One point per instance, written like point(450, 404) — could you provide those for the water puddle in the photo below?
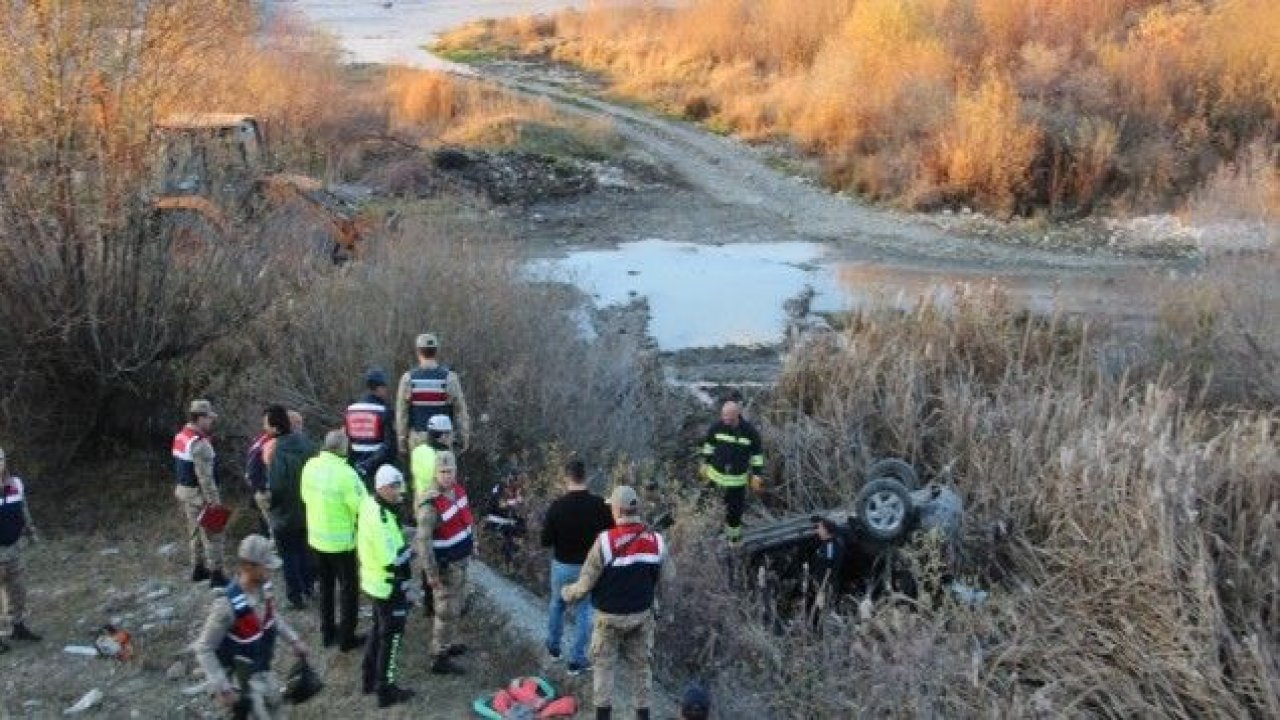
point(704, 295)
point(381, 31)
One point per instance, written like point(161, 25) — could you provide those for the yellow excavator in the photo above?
point(212, 169)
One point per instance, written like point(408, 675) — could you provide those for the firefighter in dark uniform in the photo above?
point(425, 391)
point(732, 457)
point(826, 563)
point(243, 625)
point(370, 426)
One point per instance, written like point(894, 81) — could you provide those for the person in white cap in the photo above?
point(243, 626)
point(425, 391)
point(384, 569)
point(445, 542)
point(422, 461)
point(622, 572)
point(197, 486)
point(15, 524)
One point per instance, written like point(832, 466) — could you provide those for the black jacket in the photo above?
point(284, 479)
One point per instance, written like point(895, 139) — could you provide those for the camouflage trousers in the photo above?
point(13, 589)
point(448, 606)
point(191, 500)
point(625, 640)
point(266, 699)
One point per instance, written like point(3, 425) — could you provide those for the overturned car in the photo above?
point(853, 551)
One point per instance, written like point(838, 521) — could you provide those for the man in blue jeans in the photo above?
point(573, 522)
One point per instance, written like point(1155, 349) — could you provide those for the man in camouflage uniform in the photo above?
point(197, 487)
point(444, 543)
point(15, 524)
point(622, 572)
point(430, 389)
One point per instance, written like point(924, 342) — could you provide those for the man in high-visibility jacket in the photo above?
point(332, 491)
point(445, 541)
point(384, 569)
point(732, 456)
point(422, 460)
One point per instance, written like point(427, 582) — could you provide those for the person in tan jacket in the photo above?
point(197, 486)
point(427, 390)
point(622, 572)
point(444, 543)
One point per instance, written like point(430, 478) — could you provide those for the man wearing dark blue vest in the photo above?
point(370, 427)
point(197, 487)
point(445, 541)
point(15, 524)
point(622, 572)
point(427, 390)
point(242, 626)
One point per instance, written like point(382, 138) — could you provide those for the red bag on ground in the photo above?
point(213, 517)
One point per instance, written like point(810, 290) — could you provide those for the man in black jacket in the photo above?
point(288, 515)
point(573, 522)
point(732, 455)
point(371, 429)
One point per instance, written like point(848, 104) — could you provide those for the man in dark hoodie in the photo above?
point(288, 515)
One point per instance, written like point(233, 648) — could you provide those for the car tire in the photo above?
point(884, 509)
point(896, 468)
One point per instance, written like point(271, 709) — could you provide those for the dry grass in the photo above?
point(1126, 527)
point(1015, 105)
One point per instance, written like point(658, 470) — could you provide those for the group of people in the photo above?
point(335, 518)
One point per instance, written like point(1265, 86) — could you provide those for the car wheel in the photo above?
point(884, 508)
point(896, 468)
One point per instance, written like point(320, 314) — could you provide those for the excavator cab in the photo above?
point(213, 168)
point(208, 154)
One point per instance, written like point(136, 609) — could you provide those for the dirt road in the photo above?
point(724, 174)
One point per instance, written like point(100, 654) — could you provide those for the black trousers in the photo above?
point(735, 500)
point(337, 571)
point(296, 556)
point(382, 651)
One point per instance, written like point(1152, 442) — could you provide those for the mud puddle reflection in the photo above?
point(703, 295)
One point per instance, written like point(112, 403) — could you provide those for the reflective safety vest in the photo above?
point(428, 395)
point(451, 539)
point(183, 463)
point(331, 491)
point(13, 517)
point(380, 547)
point(253, 634)
point(633, 557)
point(422, 465)
point(366, 426)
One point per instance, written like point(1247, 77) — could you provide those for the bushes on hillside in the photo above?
point(1011, 104)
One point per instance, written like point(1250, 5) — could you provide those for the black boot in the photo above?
point(642, 713)
point(604, 713)
point(457, 649)
point(22, 632)
point(199, 573)
point(354, 642)
point(217, 579)
point(393, 695)
point(444, 665)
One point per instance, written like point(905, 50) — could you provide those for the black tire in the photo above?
point(884, 509)
point(896, 468)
